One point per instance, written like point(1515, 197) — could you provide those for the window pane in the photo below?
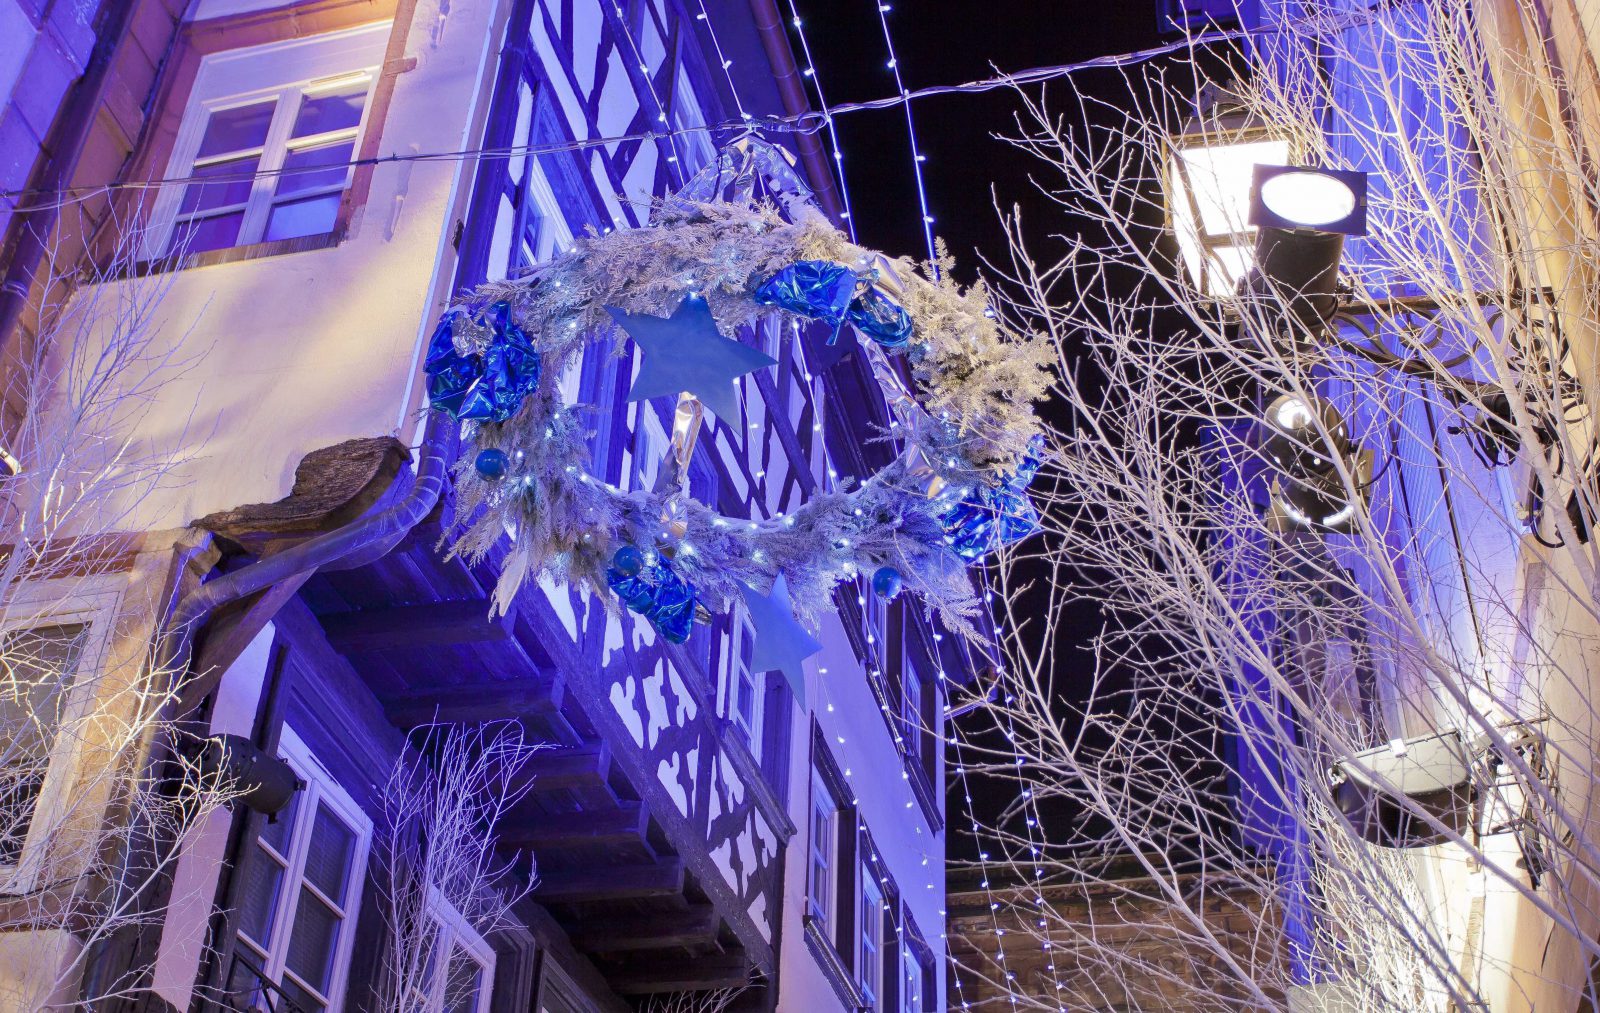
point(258, 903)
point(237, 129)
point(215, 233)
point(234, 180)
point(328, 855)
point(339, 109)
point(303, 168)
point(316, 930)
point(463, 984)
point(314, 216)
point(37, 666)
point(276, 832)
point(302, 999)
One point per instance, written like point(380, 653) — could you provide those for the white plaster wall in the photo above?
point(194, 885)
point(286, 354)
point(838, 695)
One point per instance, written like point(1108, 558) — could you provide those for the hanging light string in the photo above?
point(810, 73)
point(811, 121)
point(917, 157)
point(723, 60)
point(676, 171)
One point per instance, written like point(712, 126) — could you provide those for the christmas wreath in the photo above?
point(739, 244)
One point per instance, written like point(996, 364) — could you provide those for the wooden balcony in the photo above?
point(622, 868)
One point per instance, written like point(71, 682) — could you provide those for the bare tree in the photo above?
point(1404, 550)
point(98, 786)
point(439, 857)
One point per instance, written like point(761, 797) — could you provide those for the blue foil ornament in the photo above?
point(887, 582)
point(995, 516)
point(812, 288)
point(658, 594)
point(492, 463)
point(488, 387)
point(881, 318)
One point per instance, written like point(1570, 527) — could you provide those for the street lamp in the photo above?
point(1210, 176)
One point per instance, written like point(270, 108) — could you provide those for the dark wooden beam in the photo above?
point(623, 824)
point(407, 626)
point(468, 702)
point(663, 878)
point(679, 974)
point(656, 930)
point(572, 767)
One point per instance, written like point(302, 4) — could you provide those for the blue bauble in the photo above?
point(628, 561)
point(492, 463)
point(887, 582)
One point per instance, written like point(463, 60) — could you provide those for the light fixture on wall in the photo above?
point(1408, 794)
point(1210, 175)
point(259, 781)
point(1306, 442)
point(1302, 216)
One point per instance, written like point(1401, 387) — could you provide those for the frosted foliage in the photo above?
point(99, 782)
point(1238, 656)
point(438, 855)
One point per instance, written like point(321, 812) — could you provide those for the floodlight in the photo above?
point(1302, 197)
point(1431, 772)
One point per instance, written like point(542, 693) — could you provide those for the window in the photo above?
point(266, 142)
point(917, 989)
point(742, 702)
point(529, 226)
point(869, 938)
point(301, 893)
point(468, 981)
point(820, 888)
point(48, 661)
point(911, 705)
point(39, 666)
point(910, 982)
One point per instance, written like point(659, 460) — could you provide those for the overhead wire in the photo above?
point(810, 121)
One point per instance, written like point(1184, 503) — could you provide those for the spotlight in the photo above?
point(1304, 439)
point(1431, 772)
point(1294, 442)
point(1296, 197)
point(264, 783)
point(1293, 286)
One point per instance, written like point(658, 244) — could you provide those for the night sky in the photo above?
point(967, 168)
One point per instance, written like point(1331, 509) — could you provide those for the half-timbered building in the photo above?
point(694, 825)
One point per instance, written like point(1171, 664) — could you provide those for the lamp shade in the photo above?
point(1307, 197)
point(1293, 286)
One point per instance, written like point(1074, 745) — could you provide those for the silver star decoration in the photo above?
point(684, 352)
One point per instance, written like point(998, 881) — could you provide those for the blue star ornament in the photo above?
point(781, 642)
point(684, 352)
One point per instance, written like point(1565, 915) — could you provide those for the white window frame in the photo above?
point(822, 898)
point(737, 670)
point(321, 789)
point(455, 931)
point(912, 982)
point(869, 930)
point(279, 70)
point(94, 602)
point(688, 113)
